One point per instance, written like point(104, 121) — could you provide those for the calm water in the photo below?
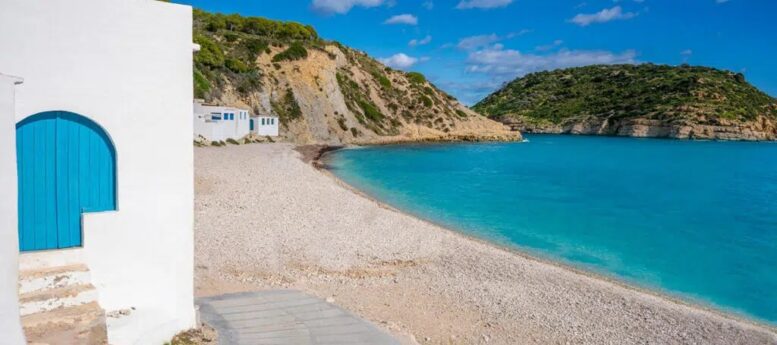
point(694, 219)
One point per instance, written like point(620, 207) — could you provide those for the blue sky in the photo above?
point(470, 47)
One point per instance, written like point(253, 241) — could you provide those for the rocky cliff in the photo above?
point(647, 100)
point(763, 128)
point(325, 92)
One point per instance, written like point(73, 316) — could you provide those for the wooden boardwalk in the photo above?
point(281, 317)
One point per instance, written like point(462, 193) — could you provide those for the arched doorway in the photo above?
point(66, 167)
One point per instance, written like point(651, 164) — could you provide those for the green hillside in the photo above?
point(697, 94)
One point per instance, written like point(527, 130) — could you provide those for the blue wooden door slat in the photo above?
point(36, 160)
point(68, 236)
point(50, 182)
point(66, 166)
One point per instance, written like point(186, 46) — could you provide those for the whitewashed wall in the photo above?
point(127, 65)
point(266, 129)
point(10, 327)
point(220, 130)
point(242, 124)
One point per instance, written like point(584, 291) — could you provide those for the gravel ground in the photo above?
point(266, 219)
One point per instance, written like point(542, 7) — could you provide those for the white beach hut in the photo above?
point(264, 125)
point(96, 218)
point(217, 123)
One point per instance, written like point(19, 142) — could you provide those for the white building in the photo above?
point(216, 123)
point(264, 125)
point(102, 130)
point(10, 326)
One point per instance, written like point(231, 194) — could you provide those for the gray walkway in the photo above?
point(285, 317)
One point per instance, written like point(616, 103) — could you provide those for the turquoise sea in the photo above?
point(697, 220)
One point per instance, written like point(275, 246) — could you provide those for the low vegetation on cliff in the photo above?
point(323, 91)
point(618, 95)
point(230, 45)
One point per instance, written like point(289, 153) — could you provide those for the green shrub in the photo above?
point(370, 111)
point(201, 84)
point(210, 53)
point(382, 80)
point(416, 78)
point(427, 102)
point(294, 110)
point(231, 37)
point(254, 46)
point(739, 78)
point(296, 31)
point(236, 65)
point(341, 123)
point(210, 22)
point(346, 83)
point(294, 52)
point(287, 108)
point(248, 82)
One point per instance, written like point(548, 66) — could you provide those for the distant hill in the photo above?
point(644, 100)
point(323, 91)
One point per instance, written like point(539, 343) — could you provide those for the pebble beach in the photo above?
point(266, 218)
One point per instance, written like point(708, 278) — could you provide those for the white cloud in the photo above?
point(686, 54)
point(551, 46)
point(480, 41)
point(342, 6)
point(475, 42)
point(603, 16)
point(507, 64)
point(401, 61)
point(407, 19)
point(428, 4)
point(485, 4)
point(424, 41)
point(518, 33)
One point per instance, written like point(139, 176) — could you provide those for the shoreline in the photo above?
point(302, 228)
point(320, 165)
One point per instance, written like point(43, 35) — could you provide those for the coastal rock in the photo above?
point(763, 129)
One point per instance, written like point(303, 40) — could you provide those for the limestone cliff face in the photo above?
point(761, 129)
point(337, 95)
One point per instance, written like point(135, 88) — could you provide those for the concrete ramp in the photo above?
point(286, 317)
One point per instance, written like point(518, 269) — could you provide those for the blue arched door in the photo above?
point(66, 166)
